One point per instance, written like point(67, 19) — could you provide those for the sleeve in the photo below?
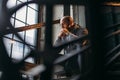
point(58, 41)
point(85, 32)
point(81, 32)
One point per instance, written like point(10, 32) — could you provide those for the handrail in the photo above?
point(112, 51)
point(112, 34)
point(110, 27)
point(112, 59)
point(71, 54)
point(113, 3)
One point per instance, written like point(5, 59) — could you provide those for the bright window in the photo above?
point(25, 16)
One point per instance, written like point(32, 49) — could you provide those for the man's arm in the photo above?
point(85, 32)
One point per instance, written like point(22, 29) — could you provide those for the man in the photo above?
point(70, 31)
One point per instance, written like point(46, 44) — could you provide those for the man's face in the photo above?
point(64, 25)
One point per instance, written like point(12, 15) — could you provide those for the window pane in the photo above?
point(9, 35)
point(21, 35)
point(27, 50)
point(21, 14)
point(27, 14)
point(17, 52)
point(58, 11)
point(34, 6)
point(80, 17)
point(31, 16)
point(8, 43)
point(30, 36)
point(23, 0)
point(19, 24)
point(31, 60)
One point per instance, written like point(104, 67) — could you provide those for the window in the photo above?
point(25, 16)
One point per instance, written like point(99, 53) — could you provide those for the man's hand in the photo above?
point(85, 31)
point(63, 32)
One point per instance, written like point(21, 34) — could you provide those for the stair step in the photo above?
point(113, 73)
point(115, 66)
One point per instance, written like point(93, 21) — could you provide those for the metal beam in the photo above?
point(34, 26)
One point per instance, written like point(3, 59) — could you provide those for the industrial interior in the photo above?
point(29, 29)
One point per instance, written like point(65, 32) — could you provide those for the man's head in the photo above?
point(66, 21)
